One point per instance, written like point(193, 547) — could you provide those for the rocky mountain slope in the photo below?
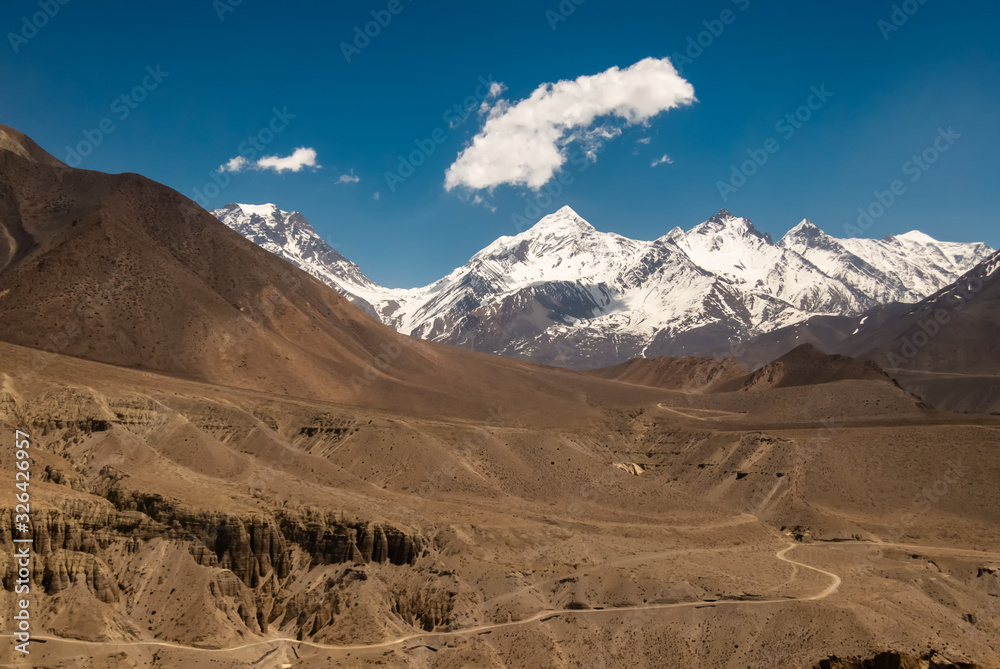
point(565, 293)
point(290, 236)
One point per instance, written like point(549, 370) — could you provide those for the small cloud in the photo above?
point(234, 164)
point(644, 140)
point(496, 90)
point(376, 195)
point(351, 178)
point(664, 160)
point(302, 157)
point(479, 200)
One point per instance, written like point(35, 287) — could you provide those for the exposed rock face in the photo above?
point(64, 568)
point(249, 546)
point(253, 559)
point(252, 548)
point(328, 541)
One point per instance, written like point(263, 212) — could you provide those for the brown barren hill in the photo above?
point(687, 374)
point(806, 365)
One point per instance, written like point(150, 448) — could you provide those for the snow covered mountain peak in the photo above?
point(563, 240)
point(564, 221)
point(805, 226)
point(676, 233)
point(728, 225)
point(562, 246)
point(917, 237)
point(805, 234)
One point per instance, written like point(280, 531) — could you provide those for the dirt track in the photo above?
point(551, 613)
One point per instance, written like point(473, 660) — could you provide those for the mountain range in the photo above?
point(564, 293)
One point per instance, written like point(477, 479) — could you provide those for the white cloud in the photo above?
point(660, 161)
point(376, 196)
point(300, 158)
point(644, 140)
point(234, 164)
point(526, 143)
point(351, 178)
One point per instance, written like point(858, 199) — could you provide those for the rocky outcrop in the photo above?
point(329, 541)
point(252, 547)
point(73, 544)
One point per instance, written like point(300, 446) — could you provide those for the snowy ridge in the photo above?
point(900, 268)
point(563, 292)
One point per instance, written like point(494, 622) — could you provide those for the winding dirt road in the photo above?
point(547, 614)
point(835, 582)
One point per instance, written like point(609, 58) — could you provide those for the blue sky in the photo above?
point(211, 82)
